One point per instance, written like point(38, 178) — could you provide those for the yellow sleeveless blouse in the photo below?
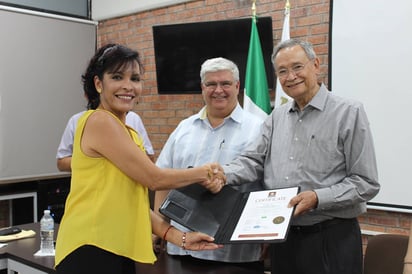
point(105, 208)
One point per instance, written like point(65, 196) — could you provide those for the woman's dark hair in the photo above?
point(109, 58)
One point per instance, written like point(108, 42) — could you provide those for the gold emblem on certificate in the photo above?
point(278, 220)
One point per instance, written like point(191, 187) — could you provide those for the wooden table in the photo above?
point(19, 256)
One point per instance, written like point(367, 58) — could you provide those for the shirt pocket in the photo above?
point(321, 157)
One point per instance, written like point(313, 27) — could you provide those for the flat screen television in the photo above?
point(180, 49)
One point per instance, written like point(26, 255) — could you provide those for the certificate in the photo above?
point(231, 216)
point(266, 216)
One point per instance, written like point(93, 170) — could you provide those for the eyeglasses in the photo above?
point(211, 86)
point(283, 73)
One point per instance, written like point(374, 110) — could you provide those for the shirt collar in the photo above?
point(318, 101)
point(236, 114)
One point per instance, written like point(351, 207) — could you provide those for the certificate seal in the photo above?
point(278, 220)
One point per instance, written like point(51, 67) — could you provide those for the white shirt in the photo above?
point(133, 120)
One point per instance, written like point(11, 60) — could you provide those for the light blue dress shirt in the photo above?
point(193, 143)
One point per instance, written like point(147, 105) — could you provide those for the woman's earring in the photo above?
point(99, 90)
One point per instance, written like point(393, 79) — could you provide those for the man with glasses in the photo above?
point(323, 144)
point(219, 132)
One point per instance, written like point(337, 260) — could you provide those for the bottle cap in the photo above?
point(46, 211)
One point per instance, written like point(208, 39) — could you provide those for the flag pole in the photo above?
point(254, 10)
point(287, 7)
point(281, 97)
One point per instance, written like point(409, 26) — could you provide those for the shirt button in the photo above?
point(291, 158)
point(286, 178)
point(296, 139)
point(300, 120)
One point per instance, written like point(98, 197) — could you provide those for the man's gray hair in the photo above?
point(218, 64)
point(306, 46)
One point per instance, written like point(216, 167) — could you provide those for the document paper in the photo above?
point(266, 215)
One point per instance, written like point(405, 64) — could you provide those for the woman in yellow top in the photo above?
point(107, 224)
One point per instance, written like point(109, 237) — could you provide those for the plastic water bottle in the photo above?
point(47, 233)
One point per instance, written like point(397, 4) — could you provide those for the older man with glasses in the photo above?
point(323, 144)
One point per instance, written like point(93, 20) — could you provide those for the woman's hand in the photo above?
point(197, 241)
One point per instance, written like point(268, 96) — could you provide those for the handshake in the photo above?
point(215, 179)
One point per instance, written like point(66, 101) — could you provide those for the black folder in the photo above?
point(218, 214)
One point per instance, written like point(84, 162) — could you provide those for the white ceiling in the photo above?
point(106, 9)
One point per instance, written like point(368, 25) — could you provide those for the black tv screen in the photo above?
point(180, 49)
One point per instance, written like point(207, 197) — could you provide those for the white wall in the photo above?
point(371, 62)
point(105, 9)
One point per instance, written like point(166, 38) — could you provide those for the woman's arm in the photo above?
point(187, 240)
point(104, 136)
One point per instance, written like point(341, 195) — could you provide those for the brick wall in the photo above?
point(161, 113)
